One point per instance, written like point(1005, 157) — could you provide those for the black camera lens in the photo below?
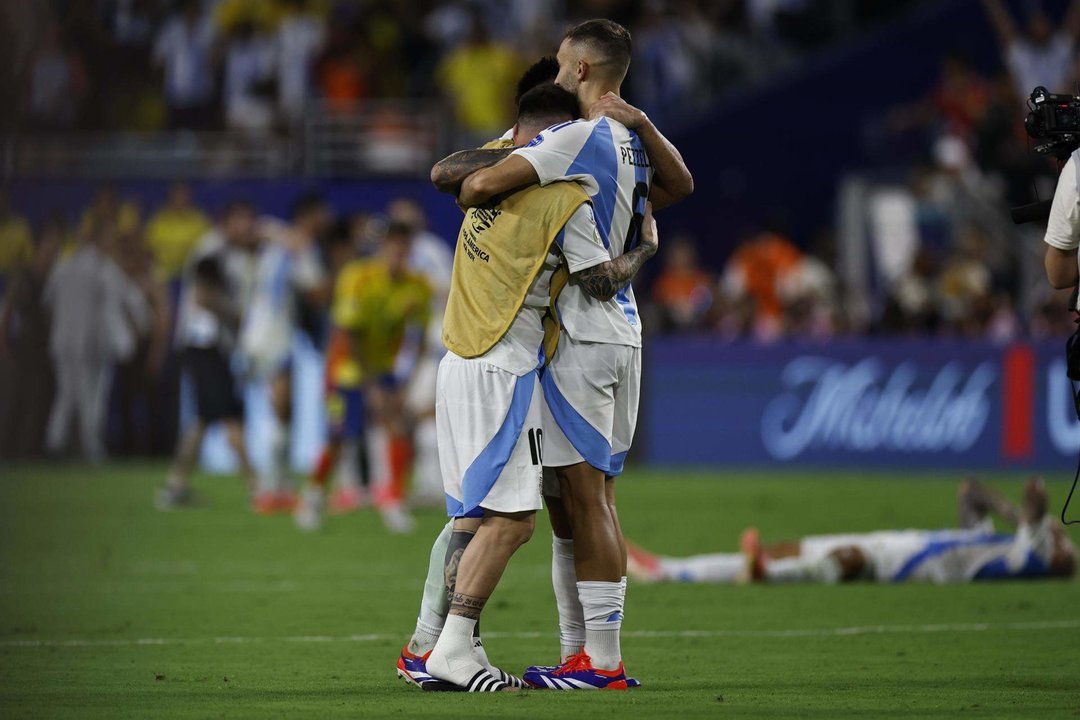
point(1034, 124)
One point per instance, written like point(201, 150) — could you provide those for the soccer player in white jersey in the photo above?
point(1039, 548)
point(289, 272)
point(591, 389)
point(489, 432)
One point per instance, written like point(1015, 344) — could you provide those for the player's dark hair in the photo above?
point(307, 203)
point(609, 39)
point(544, 70)
point(398, 230)
point(238, 205)
point(546, 105)
point(208, 273)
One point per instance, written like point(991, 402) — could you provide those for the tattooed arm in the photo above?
point(604, 280)
point(451, 171)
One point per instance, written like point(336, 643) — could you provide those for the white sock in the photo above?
point(277, 471)
point(797, 569)
point(452, 659)
point(602, 603)
point(716, 568)
point(378, 447)
point(434, 604)
point(564, 582)
point(623, 583)
point(348, 470)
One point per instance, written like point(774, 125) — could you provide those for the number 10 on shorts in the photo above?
point(536, 445)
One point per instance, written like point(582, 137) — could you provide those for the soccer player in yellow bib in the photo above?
point(380, 312)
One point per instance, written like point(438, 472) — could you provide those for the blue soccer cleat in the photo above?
point(630, 682)
point(578, 673)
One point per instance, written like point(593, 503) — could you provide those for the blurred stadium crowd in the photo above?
point(257, 66)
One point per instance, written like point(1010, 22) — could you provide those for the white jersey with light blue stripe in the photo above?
point(945, 556)
point(610, 163)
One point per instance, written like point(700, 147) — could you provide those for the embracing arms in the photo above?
point(448, 174)
point(672, 180)
point(604, 280)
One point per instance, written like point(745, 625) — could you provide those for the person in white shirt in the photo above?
point(218, 284)
point(184, 48)
point(249, 65)
point(1039, 55)
point(616, 166)
point(1038, 549)
point(1063, 228)
point(97, 312)
point(289, 272)
point(299, 39)
point(491, 444)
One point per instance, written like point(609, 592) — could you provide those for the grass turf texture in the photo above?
point(218, 613)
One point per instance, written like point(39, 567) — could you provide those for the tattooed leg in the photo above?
point(479, 569)
point(467, 606)
point(459, 540)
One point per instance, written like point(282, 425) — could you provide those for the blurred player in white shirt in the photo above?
point(289, 272)
point(1038, 549)
point(218, 283)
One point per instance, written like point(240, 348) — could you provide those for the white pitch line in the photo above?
point(645, 634)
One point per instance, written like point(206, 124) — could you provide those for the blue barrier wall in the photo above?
point(858, 403)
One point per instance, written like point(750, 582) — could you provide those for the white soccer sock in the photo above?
point(348, 469)
point(378, 447)
point(797, 569)
point(452, 659)
point(564, 582)
point(715, 568)
point(277, 467)
point(427, 477)
point(602, 603)
point(434, 604)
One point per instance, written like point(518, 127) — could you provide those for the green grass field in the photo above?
point(111, 609)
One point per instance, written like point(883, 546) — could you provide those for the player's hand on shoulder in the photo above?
point(649, 237)
point(614, 107)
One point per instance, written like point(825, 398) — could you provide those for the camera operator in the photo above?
point(1063, 229)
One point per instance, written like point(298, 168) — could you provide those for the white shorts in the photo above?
point(591, 397)
point(488, 426)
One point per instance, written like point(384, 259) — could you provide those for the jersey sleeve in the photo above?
point(580, 241)
point(1063, 227)
point(552, 153)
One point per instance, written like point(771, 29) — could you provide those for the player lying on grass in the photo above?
point(1039, 548)
point(591, 411)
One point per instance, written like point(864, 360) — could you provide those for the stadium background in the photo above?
point(844, 275)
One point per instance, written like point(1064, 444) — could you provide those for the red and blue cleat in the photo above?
point(412, 668)
point(578, 673)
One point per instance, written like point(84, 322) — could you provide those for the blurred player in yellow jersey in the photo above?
point(380, 312)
